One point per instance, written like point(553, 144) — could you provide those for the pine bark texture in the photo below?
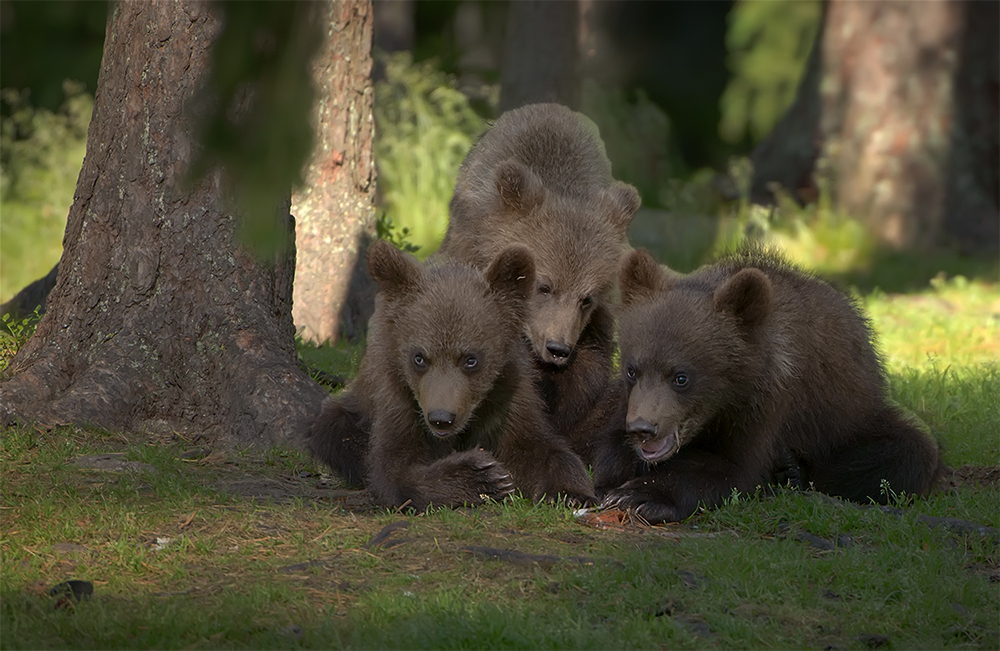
point(159, 319)
point(900, 102)
point(541, 54)
point(335, 210)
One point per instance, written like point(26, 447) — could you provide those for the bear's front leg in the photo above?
point(564, 476)
point(468, 477)
point(671, 491)
point(403, 469)
point(461, 478)
point(542, 463)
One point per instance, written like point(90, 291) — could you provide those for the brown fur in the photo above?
point(443, 410)
point(741, 370)
point(540, 178)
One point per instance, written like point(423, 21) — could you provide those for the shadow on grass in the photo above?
point(906, 271)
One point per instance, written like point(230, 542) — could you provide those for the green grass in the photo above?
point(234, 572)
point(181, 559)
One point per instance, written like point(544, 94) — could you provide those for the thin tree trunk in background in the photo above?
point(159, 320)
point(904, 116)
point(335, 209)
point(395, 25)
point(972, 200)
point(541, 54)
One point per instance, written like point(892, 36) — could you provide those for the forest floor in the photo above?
point(188, 547)
point(171, 543)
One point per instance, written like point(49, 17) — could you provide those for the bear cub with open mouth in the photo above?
point(738, 370)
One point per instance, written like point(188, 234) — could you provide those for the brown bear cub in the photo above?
point(443, 410)
point(540, 178)
point(738, 370)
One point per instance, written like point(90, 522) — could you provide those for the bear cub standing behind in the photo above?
point(443, 410)
point(540, 178)
point(739, 369)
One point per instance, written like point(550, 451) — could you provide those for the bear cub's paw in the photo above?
point(636, 496)
point(473, 475)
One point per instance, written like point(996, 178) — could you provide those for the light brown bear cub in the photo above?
point(740, 369)
point(443, 410)
point(540, 178)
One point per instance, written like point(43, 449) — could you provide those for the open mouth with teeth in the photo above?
point(659, 448)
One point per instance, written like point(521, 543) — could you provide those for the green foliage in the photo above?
point(40, 157)
point(398, 237)
point(341, 359)
point(256, 110)
point(14, 334)
point(815, 236)
point(424, 128)
point(638, 136)
point(768, 43)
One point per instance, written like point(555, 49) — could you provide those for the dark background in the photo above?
point(674, 51)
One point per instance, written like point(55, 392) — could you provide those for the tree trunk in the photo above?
point(158, 316)
point(904, 115)
point(395, 25)
point(541, 54)
point(335, 209)
point(972, 199)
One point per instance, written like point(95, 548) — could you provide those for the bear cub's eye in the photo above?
point(586, 302)
point(681, 381)
point(470, 362)
point(544, 290)
point(418, 361)
point(630, 373)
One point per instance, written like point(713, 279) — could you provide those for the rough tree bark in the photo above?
point(900, 100)
point(159, 318)
point(541, 54)
point(335, 209)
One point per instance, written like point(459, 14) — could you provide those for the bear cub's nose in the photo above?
point(441, 419)
point(642, 428)
point(558, 350)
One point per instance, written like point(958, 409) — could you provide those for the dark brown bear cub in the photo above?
point(443, 410)
point(540, 178)
point(735, 370)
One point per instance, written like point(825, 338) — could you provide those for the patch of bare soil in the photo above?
point(287, 487)
point(972, 476)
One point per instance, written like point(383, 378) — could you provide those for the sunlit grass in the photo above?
point(951, 322)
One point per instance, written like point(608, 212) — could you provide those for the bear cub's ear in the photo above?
point(520, 189)
point(747, 295)
point(620, 202)
point(641, 277)
point(393, 270)
point(512, 273)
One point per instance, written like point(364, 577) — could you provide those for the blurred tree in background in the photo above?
point(898, 112)
point(676, 88)
point(541, 54)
